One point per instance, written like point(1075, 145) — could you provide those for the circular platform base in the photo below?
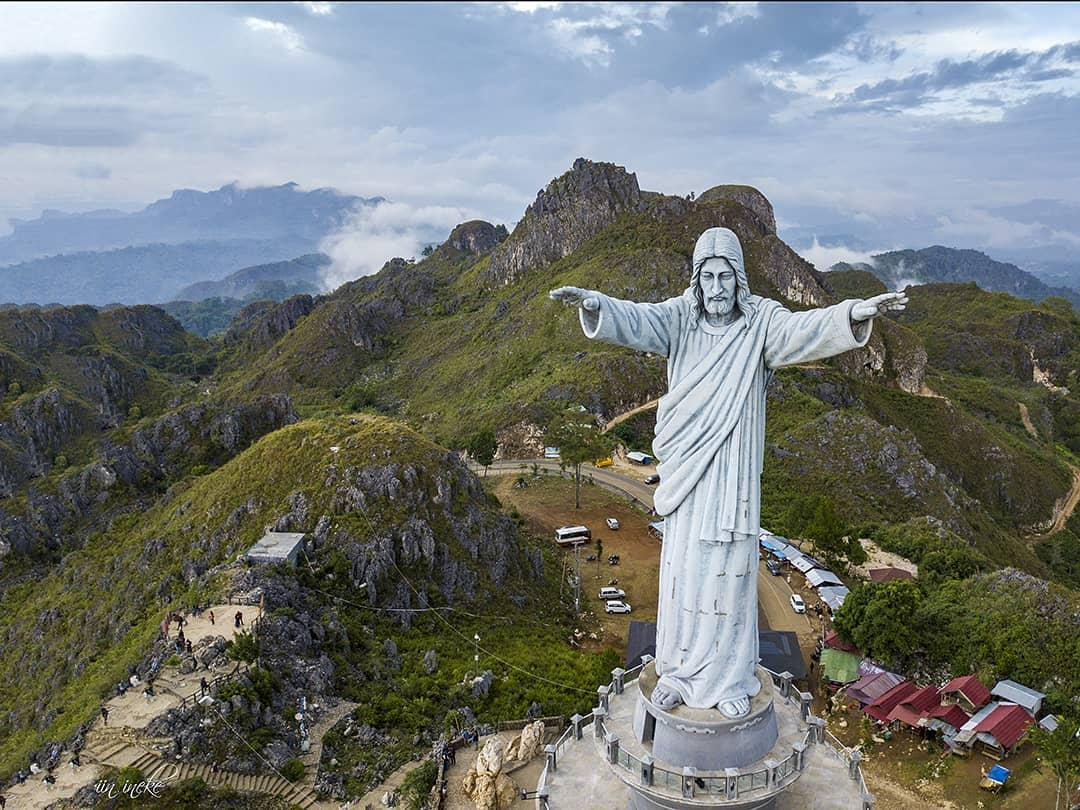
point(704, 738)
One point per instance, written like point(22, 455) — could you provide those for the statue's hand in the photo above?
point(577, 297)
point(879, 305)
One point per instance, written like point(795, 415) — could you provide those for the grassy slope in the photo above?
point(73, 634)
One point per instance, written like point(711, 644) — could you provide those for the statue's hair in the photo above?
point(724, 244)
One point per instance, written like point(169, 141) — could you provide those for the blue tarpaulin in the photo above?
point(999, 773)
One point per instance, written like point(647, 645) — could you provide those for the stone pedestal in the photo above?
point(616, 765)
point(704, 738)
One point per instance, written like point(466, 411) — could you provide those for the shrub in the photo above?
point(417, 785)
point(293, 770)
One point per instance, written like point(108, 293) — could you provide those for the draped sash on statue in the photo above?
point(696, 416)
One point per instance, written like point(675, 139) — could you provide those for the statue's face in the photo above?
point(717, 282)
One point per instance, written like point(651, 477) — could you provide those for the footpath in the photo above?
point(122, 741)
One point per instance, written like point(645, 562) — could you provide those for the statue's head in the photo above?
point(718, 280)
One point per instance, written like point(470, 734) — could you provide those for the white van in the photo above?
point(572, 535)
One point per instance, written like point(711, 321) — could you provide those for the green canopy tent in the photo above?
point(839, 667)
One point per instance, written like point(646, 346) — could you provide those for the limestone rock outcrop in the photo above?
point(485, 783)
point(527, 744)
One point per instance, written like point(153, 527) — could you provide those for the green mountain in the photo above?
point(937, 264)
point(950, 438)
point(208, 307)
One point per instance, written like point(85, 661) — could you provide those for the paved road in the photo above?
point(773, 592)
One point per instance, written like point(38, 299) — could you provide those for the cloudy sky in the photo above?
point(868, 126)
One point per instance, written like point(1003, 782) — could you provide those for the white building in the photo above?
point(277, 547)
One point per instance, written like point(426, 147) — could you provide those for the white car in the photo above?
point(612, 593)
point(797, 604)
point(617, 607)
point(613, 524)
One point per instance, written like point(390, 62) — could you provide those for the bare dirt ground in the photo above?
point(548, 502)
point(1064, 508)
point(879, 558)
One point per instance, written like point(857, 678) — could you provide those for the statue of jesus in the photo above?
point(722, 345)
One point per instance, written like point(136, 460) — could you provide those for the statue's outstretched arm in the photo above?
point(645, 327)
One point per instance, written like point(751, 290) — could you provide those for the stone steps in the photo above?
point(115, 752)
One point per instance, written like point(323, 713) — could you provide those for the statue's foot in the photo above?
point(735, 708)
point(665, 697)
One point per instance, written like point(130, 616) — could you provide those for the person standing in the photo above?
point(211, 618)
point(104, 715)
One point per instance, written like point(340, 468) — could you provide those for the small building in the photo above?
point(945, 720)
point(779, 652)
point(833, 596)
point(819, 576)
point(839, 667)
point(804, 562)
point(277, 547)
point(871, 687)
point(914, 708)
point(834, 642)
point(1013, 692)
point(1049, 723)
point(888, 574)
point(551, 452)
point(967, 692)
point(638, 457)
point(879, 710)
point(998, 730)
point(656, 529)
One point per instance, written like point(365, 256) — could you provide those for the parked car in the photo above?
point(652, 479)
point(797, 604)
point(774, 567)
point(612, 593)
point(617, 607)
point(613, 524)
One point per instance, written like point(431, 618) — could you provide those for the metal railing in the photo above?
point(192, 699)
point(771, 779)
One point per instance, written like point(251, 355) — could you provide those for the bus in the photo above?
point(572, 535)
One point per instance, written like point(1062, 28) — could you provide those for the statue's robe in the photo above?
point(710, 440)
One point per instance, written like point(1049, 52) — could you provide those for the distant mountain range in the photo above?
point(207, 307)
point(103, 257)
point(935, 265)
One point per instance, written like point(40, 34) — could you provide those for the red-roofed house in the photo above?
point(888, 574)
point(914, 707)
point(880, 708)
point(833, 641)
point(1001, 732)
point(870, 687)
point(967, 692)
point(947, 719)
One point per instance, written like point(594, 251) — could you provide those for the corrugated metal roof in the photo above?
point(951, 714)
point(1007, 724)
point(839, 666)
point(833, 596)
point(881, 707)
point(833, 641)
point(870, 687)
point(819, 576)
point(970, 687)
point(888, 574)
point(1019, 694)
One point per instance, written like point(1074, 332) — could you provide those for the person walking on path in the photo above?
point(204, 687)
point(104, 715)
point(187, 646)
point(239, 618)
point(211, 617)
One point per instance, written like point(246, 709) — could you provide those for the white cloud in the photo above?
point(317, 9)
point(285, 36)
point(733, 12)
point(375, 234)
point(823, 257)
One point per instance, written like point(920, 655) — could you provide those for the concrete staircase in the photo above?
point(117, 751)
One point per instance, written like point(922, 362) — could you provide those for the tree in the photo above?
point(578, 442)
point(832, 540)
point(1060, 749)
point(243, 647)
point(882, 619)
point(482, 446)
